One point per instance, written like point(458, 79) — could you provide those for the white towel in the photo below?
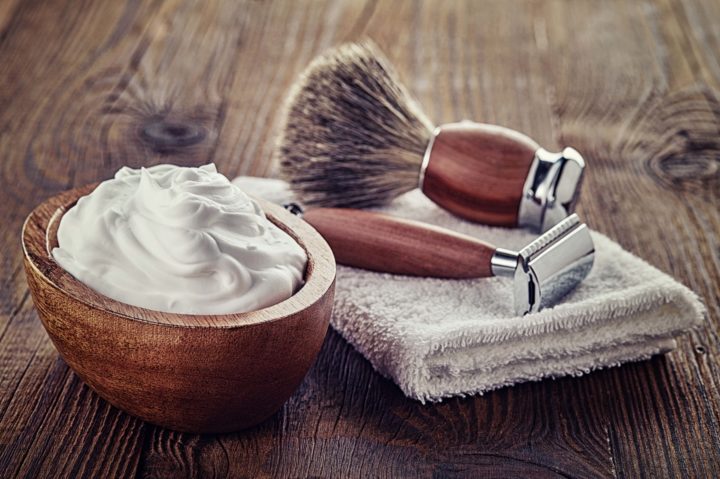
point(439, 338)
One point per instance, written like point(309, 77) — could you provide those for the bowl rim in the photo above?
point(39, 235)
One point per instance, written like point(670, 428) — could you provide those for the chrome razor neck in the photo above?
point(504, 262)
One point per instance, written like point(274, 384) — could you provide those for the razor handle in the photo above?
point(543, 272)
point(387, 244)
point(494, 175)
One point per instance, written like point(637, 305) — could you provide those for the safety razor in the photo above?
point(548, 268)
point(543, 272)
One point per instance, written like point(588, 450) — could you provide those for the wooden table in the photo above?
point(633, 85)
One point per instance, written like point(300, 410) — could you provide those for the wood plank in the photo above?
point(634, 86)
point(45, 411)
point(649, 126)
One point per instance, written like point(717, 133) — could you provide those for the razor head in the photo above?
point(551, 189)
point(553, 265)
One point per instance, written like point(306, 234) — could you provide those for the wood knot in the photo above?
point(687, 159)
point(687, 167)
point(678, 138)
point(166, 136)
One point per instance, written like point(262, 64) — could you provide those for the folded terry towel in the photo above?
point(438, 338)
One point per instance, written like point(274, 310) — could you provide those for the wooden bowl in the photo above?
point(194, 373)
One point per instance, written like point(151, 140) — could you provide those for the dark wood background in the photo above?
point(86, 87)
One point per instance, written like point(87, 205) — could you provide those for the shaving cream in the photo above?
point(180, 240)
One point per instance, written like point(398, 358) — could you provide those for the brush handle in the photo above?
point(478, 171)
point(384, 243)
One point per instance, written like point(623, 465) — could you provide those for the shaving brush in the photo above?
point(354, 137)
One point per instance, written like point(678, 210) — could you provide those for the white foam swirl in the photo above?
point(182, 240)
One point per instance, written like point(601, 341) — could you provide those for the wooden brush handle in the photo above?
point(477, 171)
point(388, 244)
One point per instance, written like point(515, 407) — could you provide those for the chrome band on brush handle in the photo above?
point(551, 189)
point(426, 157)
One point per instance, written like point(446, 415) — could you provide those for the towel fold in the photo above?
point(439, 338)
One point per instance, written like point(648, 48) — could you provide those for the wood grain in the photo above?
point(478, 171)
point(632, 85)
point(388, 244)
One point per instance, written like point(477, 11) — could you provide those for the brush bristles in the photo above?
point(352, 135)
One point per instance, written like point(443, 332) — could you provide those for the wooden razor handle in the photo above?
point(384, 243)
point(478, 171)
